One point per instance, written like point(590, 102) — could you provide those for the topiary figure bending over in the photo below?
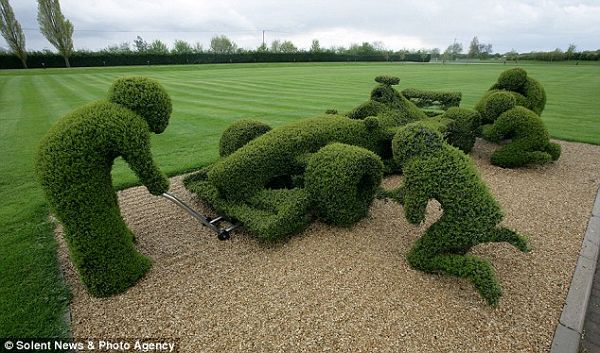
point(74, 165)
point(526, 91)
point(435, 170)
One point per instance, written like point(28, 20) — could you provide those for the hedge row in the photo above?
point(74, 165)
point(435, 170)
point(85, 59)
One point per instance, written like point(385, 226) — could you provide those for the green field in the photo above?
point(207, 98)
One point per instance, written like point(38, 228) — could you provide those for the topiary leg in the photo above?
point(478, 271)
point(513, 155)
point(502, 234)
point(553, 149)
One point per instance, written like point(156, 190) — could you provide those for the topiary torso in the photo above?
point(74, 165)
point(279, 152)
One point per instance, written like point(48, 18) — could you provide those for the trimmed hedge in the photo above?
point(145, 97)
point(427, 99)
point(269, 214)
point(341, 181)
point(388, 105)
point(530, 141)
point(527, 92)
point(434, 169)
point(88, 59)
point(282, 152)
point(73, 165)
point(262, 183)
point(239, 134)
point(394, 110)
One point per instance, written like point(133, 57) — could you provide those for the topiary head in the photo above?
point(144, 96)
point(387, 80)
point(513, 79)
point(496, 104)
point(384, 94)
point(415, 140)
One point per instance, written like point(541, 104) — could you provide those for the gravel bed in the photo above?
point(340, 289)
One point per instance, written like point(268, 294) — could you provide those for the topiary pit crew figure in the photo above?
point(435, 170)
point(74, 165)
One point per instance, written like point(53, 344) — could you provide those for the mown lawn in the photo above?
point(33, 298)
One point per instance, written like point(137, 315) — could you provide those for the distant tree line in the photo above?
point(59, 32)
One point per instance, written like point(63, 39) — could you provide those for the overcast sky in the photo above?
point(523, 25)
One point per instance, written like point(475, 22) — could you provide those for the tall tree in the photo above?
point(158, 47)
point(141, 46)
point(222, 45)
point(474, 48)
point(453, 50)
point(182, 47)
point(287, 47)
point(12, 32)
point(315, 47)
point(57, 30)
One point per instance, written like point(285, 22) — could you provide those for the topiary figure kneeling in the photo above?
point(434, 169)
point(74, 163)
point(530, 141)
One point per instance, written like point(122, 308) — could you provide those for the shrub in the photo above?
point(73, 165)
point(530, 142)
point(496, 103)
point(434, 169)
point(144, 96)
point(240, 133)
point(269, 214)
point(527, 92)
point(283, 151)
point(426, 99)
point(331, 111)
point(341, 181)
point(387, 80)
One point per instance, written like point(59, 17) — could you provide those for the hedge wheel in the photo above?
point(341, 181)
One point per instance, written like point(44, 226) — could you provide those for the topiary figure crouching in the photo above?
point(74, 165)
point(530, 141)
point(435, 170)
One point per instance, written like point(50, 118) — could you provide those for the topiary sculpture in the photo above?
point(74, 163)
point(434, 169)
point(527, 91)
point(240, 133)
point(530, 141)
point(394, 110)
point(262, 183)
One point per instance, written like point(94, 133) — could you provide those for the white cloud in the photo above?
point(520, 24)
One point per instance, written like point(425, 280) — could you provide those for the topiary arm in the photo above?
point(136, 152)
point(414, 194)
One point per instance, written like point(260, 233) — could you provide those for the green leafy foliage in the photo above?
point(281, 152)
point(240, 133)
point(435, 170)
point(494, 104)
point(530, 141)
point(145, 97)
point(341, 181)
point(387, 80)
point(527, 92)
point(427, 99)
point(74, 165)
point(269, 214)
